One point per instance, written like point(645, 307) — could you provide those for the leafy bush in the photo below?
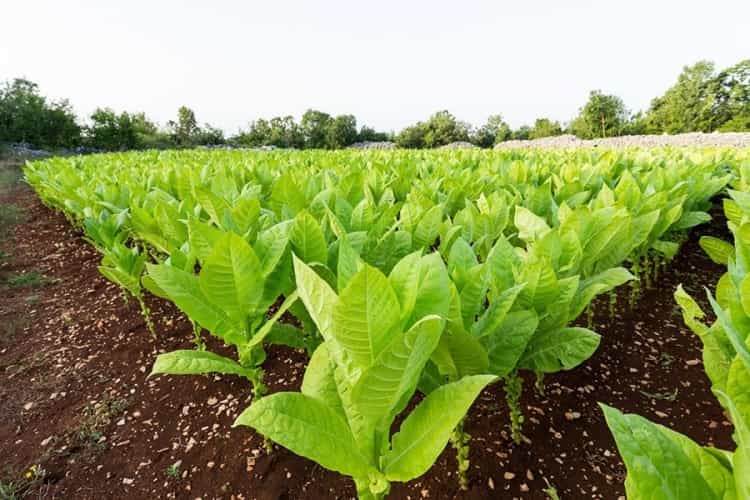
point(28, 117)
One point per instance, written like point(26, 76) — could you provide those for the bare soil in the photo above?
point(76, 400)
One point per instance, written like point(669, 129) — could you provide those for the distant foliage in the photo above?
point(544, 127)
point(701, 99)
point(27, 116)
point(523, 133)
point(440, 129)
point(316, 130)
point(110, 131)
point(602, 116)
point(492, 132)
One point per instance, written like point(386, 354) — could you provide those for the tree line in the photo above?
point(702, 99)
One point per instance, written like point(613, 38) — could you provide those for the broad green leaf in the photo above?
point(717, 348)
point(397, 369)
point(308, 427)
point(466, 354)
point(318, 297)
point(563, 349)
point(718, 250)
point(667, 248)
point(365, 315)
point(663, 464)
point(191, 362)
point(506, 344)
point(690, 219)
point(271, 246)
point(596, 285)
point(348, 263)
point(735, 337)
point(428, 228)
point(319, 381)
point(215, 206)
point(308, 241)
point(432, 289)
point(461, 256)
point(119, 277)
point(183, 289)
point(404, 277)
point(495, 314)
point(425, 432)
point(202, 237)
point(285, 334)
point(530, 225)
point(232, 278)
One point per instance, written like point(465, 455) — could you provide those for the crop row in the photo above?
point(398, 272)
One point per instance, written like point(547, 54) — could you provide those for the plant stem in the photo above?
point(146, 312)
point(513, 391)
point(460, 442)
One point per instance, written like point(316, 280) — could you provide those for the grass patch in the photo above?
point(662, 396)
point(173, 470)
point(17, 486)
point(29, 279)
point(38, 360)
point(96, 417)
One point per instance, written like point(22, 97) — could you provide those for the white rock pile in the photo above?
point(728, 139)
point(459, 145)
point(373, 145)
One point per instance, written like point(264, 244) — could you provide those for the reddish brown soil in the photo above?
point(76, 401)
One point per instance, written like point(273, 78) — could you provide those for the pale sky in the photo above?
point(390, 63)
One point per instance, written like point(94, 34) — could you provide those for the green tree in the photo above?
point(148, 134)
point(369, 134)
point(285, 133)
point(544, 127)
point(443, 128)
point(27, 116)
point(731, 90)
point(314, 127)
point(185, 128)
point(412, 136)
point(258, 133)
point(341, 131)
point(522, 133)
point(603, 116)
point(208, 135)
point(110, 131)
point(440, 129)
point(492, 132)
point(689, 105)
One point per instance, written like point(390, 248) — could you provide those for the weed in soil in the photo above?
point(15, 486)
point(173, 470)
point(661, 396)
point(96, 418)
point(29, 279)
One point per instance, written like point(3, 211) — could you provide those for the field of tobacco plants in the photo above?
point(383, 324)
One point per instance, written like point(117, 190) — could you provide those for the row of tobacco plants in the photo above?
point(438, 272)
point(661, 460)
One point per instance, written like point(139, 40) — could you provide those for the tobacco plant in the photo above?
point(378, 336)
point(229, 298)
point(664, 464)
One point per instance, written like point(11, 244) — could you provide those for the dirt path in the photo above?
point(76, 401)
